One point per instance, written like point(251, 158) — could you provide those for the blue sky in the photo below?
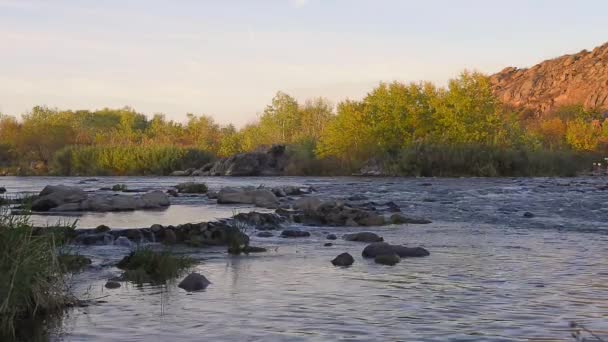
point(228, 58)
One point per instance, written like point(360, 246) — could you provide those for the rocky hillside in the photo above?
point(580, 78)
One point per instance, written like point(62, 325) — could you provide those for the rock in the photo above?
point(194, 282)
point(371, 219)
point(259, 197)
point(331, 213)
point(156, 228)
point(363, 237)
point(53, 196)
point(331, 237)
point(387, 259)
point(265, 234)
point(110, 284)
point(252, 249)
point(292, 233)
point(343, 259)
point(169, 237)
point(357, 198)
point(212, 194)
point(576, 79)
point(380, 248)
point(191, 188)
point(172, 193)
point(180, 173)
point(402, 219)
point(123, 241)
point(528, 214)
point(197, 173)
point(102, 229)
point(260, 221)
point(328, 244)
point(269, 163)
point(307, 203)
point(2, 189)
point(94, 239)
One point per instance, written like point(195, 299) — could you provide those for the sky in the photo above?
point(228, 58)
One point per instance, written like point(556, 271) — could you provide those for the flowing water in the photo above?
point(493, 275)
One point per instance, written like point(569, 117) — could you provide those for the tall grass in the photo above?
point(126, 160)
point(145, 265)
point(486, 161)
point(31, 279)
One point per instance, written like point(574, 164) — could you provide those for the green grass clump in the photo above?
point(119, 187)
point(31, 277)
point(192, 188)
point(148, 266)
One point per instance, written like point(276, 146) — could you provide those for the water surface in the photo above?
point(492, 275)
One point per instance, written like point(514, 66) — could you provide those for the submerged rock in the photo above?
point(528, 214)
point(363, 237)
point(265, 234)
point(328, 244)
point(332, 213)
point(2, 189)
point(383, 248)
point(331, 237)
point(343, 259)
point(293, 233)
point(194, 282)
point(387, 259)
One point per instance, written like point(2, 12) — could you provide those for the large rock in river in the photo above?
point(383, 248)
point(64, 198)
point(263, 198)
point(269, 163)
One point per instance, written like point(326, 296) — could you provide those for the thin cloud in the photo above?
point(300, 3)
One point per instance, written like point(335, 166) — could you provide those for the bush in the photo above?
point(126, 160)
point(148, 266)
point(31, 280)
point(486, 161)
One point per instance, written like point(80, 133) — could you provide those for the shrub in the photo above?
point(148, 266)
point(31, 280)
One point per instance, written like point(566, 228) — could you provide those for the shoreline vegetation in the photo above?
point(414, 129)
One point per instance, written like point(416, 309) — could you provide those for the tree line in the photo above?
point(413, 128)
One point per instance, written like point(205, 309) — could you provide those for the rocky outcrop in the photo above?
point(580, 78)
point(363, 237)
point(334, 213)
point(62, 198)
point(268, 163)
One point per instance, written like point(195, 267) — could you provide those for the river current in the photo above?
point(493, 274)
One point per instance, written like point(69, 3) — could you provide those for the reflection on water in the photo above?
point(493, 275)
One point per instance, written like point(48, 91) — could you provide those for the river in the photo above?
point(493, 274)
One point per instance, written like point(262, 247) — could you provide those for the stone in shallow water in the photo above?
point(293, 233)
point(387, 259)
point(112, 284)
point(402, 219)
point(328, 244)
point(194, 282)
point(528, 214)
point(331, 237)
point(343, 259)
point(381, 248)
point(265, 234)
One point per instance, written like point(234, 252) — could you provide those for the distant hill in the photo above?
point(580, 78)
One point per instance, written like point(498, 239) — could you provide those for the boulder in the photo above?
point(381, 248)
point(528, 214)
point(53, 196)
point(328, 244)
point(343, 259)
point(191, 188)
point(259, 197)
point(402, 219)
point(2, 189)
point(307, 203)
point(115, 202)
point(293, 233)
point(363, 237)
point(260, 221)
point(110, 284)
point(123, 241)
point(269, 163)
point(194, 282)
point(169, 237)
point(265, 234)
point(102, 229)
point(387, 259)
point(331, 237)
